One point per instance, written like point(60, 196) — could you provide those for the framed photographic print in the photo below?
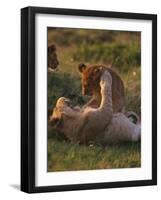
point(88, 99)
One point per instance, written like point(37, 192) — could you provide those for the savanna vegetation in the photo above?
point(122, 51)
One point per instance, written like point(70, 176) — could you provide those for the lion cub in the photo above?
point(98, 125)
point(90, 86)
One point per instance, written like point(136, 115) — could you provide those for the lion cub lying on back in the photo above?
point(97, 125)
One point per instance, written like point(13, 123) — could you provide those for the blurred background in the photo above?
point(120, 50)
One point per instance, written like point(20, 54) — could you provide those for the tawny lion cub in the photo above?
point(90, 86)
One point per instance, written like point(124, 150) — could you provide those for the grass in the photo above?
point(76, 46)
point(63, 155)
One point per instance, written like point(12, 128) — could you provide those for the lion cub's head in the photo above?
point(56, 117)
point(90, 78)
point(52, 58)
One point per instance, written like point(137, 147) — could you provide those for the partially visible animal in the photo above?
point(98, 125)
point(52, 64)
point(90, 86)
point(52, 58)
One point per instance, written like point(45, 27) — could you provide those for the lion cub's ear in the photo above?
point(81, 67)
point(51, 48)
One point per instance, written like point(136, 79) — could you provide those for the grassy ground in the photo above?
point(65, 156)
point(91, 47)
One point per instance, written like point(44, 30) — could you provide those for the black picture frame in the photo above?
point(28, 98)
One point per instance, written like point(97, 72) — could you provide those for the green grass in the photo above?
point(76, 46)
point(63, 155)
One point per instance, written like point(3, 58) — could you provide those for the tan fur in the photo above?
point(90, 86)
point(98, 125)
